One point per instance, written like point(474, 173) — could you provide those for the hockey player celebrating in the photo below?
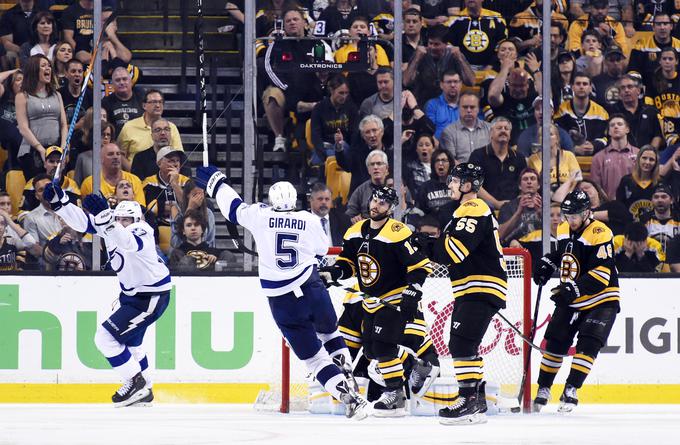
point(389, 270)
point(288, 244)
point(144, 282)
point(479, 280)
point(587, 299)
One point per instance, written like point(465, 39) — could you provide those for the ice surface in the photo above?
point(226, 424)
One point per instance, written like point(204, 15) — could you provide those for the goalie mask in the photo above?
point(128, 209)
point(283, 196)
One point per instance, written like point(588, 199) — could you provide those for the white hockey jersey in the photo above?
point(131, 249)
point(288, 243)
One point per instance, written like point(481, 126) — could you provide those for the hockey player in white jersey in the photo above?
point(289, 243)
point(144, 283)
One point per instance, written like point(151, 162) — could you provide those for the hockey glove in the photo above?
point(330, 275)
point(410, 298)
point(99, 208)
point(55, 196)
point(565, 294)
point(543, 272)
point(210, 179)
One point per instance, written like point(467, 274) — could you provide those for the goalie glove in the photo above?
point(565, 294)
point(210, 179)
point(55, 196)
point(330, 275)
point(544, 270)
point(410, 299)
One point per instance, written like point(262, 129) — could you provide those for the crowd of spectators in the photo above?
point(471, 92)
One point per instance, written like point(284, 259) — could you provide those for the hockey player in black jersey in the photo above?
point(475, 258)
point(390, 270)
point(587, 299)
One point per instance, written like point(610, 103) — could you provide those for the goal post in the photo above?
point(505, 354)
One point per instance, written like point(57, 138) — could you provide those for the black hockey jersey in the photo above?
point(477, 38)
point(475, 255)
point(586, 258)
point(385, 262)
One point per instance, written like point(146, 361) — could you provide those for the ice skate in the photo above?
point(568, 400)
point(132, 391)
point(347, 371)
point(422, 376)
point(542, 398)
point(390, 404)
point(144, 401)
point(356, 407)
point(464, 411)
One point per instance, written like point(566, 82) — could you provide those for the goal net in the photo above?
point(504, 352)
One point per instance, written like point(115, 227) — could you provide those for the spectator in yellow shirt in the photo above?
point(563, 163)
point(136, 133)
point(111, 173)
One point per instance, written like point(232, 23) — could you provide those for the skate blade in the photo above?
point(566, 408)
point(360, 415)
point(399, 412)
point(429, 380)
point(472, 419)
point(136, 397)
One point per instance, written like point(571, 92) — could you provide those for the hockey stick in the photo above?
point(200, 50)
point(363, 295)
point(76, 111)
point(532, 334)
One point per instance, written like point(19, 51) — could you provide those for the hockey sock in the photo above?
point(119, 356)
point(392, 371)
point(352, 340)
point(335, 345)
point(405, 359)
point(581, 365)
point(428, 353)
point(469, 372)
point(550, 365)
point(326, 372)
point(139, 355)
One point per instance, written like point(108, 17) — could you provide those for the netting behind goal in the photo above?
point(504, 352)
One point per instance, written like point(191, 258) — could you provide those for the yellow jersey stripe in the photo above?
point(480, 290)
point(598, 278)
point(491, 278)
point(425, 264)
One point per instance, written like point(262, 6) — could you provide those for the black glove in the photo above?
point(543, 272)
point(565, 294)
point(330, 275)
point(410, 298)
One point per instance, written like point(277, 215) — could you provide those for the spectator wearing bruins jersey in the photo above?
point(609, 29)
point(644, 58)
point(477, 32)
point(663, 92)
point(587, 299)
point(662, 221)
point(526, 25)
point(389, 269)
point(583, 118)
point(474, 256)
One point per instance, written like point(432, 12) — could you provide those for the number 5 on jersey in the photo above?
point(286, 255)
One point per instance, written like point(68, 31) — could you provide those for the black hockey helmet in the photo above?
point(387, 194)
point(468, 172)
point(575, 202)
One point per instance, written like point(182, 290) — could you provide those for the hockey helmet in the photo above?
point(468, 172)
point(283, 196)
point(387, 194)
point(575, 202)
point(128, 209)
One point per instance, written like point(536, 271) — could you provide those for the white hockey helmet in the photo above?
point(283, 196)
point(128, 209)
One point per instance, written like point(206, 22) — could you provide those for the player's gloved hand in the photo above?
point(543, 272)
point(99, 207)
point(564, 294)
point(55, 196)
point(410, 298)
point(210, 179)
point(330, 275)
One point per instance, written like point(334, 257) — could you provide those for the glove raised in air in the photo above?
point(55, 196)
point(210, 179)
point(97, 206)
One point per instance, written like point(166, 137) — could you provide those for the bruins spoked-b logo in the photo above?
point(369, 269)
point(476, 41)
point(568, 268)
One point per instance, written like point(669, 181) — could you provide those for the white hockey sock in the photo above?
point(139, 355)
point(326, 372)
point(118, 355)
